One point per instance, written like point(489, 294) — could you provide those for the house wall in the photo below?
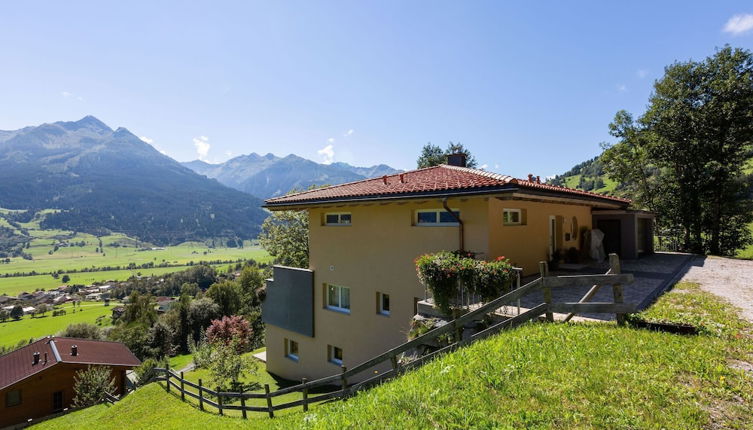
point(376, 253)
point(528, 244)
point(37, 391)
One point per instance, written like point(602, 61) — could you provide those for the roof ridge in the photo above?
point(498, 176)
point(329, 187)
point(526, 182)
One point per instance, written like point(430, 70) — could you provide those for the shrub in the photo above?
point(91, 386)
point(234, 329)
point(17, 312)
point(146, 372)
point(228, 367)
point(82, 331)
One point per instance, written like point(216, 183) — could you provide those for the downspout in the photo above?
point(461, 239)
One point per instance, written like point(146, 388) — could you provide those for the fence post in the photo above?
point(167, 378)
point(219, 401)
point(544, 270)
point(305, 395)
point(395, 365)
point(270, 409)
point(458, 332)
point(343, 382)
point(243, 403)
point(182, 388)
point(201, 396)
point(614, 266)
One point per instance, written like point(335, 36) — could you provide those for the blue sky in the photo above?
point(528, 87)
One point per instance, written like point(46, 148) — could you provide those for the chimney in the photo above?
point(530, 177)
point(384, 179)
point(74, 350)
point(538, 179)
point(458, 159)
point(35, 359)
point(402, 178)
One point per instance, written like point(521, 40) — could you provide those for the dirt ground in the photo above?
point(727, 278)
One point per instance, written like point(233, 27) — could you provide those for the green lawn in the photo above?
point(11, 332)
point(539, 376)
point(746, 253)
point(180, 361)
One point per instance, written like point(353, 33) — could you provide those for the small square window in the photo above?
point(335, 355)
point(12, 398)
point(383, 304)
point(512, 217)
point(291, 349)
point(337, 298)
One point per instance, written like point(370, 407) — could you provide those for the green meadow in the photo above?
point(11, 332)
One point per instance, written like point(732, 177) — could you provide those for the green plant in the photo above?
point(446, 273)
point(91, 386)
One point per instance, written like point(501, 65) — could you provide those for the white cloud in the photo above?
point(229, 153)
point(484, 166)
point(146, 139)
point(65, 94)
point(331, 140)
point(739, 24)
point(622, 88)
point(202, 147)
point(79, 98)
point(641, 73)
point(349, 132)
point(327, 153)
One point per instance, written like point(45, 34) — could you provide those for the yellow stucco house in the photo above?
point(358, 296)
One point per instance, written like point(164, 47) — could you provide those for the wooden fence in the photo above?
point(339, 386)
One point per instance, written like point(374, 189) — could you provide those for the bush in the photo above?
point(82, 331)
point(146, 372)
point(234, 329)
point(228, 367)
point(92, 385)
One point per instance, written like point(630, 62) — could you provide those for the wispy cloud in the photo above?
point(349, 133)
point(641, 73)
point(622, 88)
point(146, 139)
point(739, 24)
point(484, 166)
point(151, 142)
point(202, 146)
point(327, 153)
point(66, 94)
point(331, 140)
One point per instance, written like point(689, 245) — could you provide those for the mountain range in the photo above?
point(266, 176)
point(110, 180)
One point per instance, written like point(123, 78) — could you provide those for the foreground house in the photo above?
point(37, 380)
point(360, 291)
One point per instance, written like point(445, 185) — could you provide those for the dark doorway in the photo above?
point(57, 401)
point(612, 229)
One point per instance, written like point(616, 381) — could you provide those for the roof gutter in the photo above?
point(461, 231)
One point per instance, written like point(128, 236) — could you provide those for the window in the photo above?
point(383, 304)
point(335, 355)
point(57, 401)
point(437, 217)
point(337, 219)
point(291, 349)
point(337, 298)
point(512, 217)
point(12, 398)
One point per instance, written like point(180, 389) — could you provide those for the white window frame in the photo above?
point(380, 304)
point(437, 223)
point(336, 307)
point(331, 355)
point(339, 222)
point(512, 211)
point(289, 350)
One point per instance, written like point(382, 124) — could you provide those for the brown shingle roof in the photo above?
point(18, 365)
point(437, 179)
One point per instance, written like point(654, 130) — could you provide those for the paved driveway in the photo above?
point(653, 274)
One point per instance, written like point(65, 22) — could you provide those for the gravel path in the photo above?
point(727, 278)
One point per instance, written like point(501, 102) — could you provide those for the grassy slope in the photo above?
point(746, 253)
point(537, 376)
point(11, 332)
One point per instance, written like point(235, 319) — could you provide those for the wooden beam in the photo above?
point(544, 270)
point(586, 280)
point(593, 307)
point(614, 267)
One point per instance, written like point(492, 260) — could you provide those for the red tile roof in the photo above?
point(18, 365)
point(438, 179)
